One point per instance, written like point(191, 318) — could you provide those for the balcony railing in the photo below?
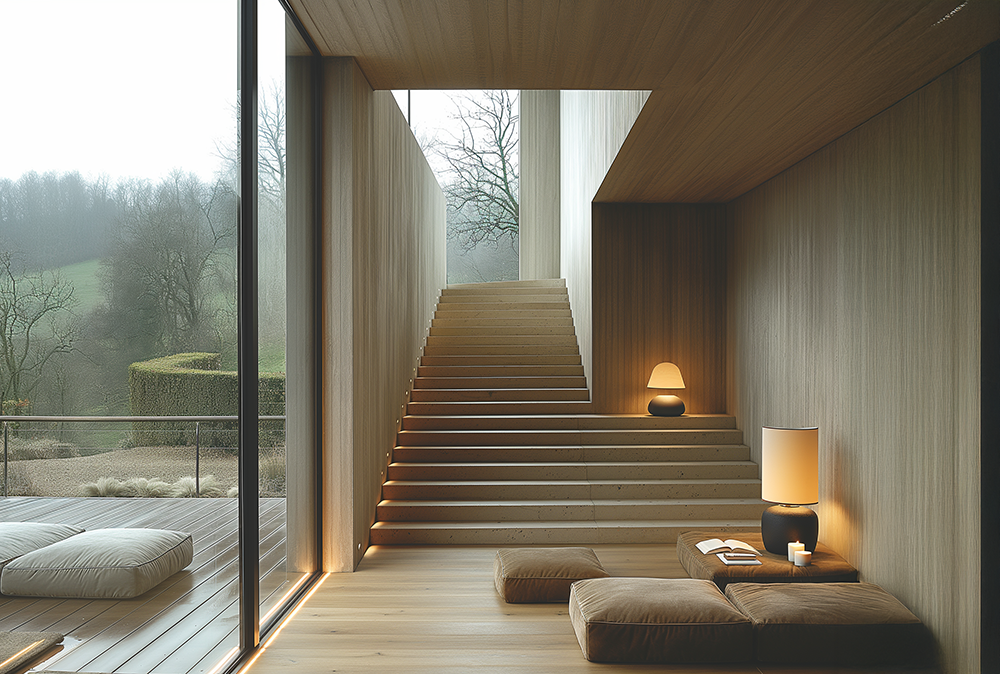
point(187, 424)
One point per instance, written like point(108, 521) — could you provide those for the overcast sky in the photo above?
point(123, 87)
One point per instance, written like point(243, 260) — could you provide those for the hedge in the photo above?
point(193, 384)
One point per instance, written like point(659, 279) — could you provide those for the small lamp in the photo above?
point(666, 376)
point(790, 478)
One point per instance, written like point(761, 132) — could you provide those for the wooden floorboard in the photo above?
point(435, 609)
point(185, 624)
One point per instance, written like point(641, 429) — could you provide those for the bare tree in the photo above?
point(482, 158)
point(35, 325)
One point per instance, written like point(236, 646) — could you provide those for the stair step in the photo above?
point(569, 489)
point(514, 407)
point(496, 339)
point(504, 331)
point(512, 395)
point(504, 350)
point(568, 509)
point(541, 438)
point(506, 311)
point(574, 470)
point(638, 422)
point(500, 371)
point(578, 532)
point(488, 383)
point(555, 453)
point(511, 322)
point(450, 296)
point(479, 360)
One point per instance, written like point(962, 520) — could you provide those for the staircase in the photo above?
point(499, 445)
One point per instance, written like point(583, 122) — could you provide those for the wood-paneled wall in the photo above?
point(593, 125)
point(538, 228)
point(854, 305)
point(383, 268)
point(659, 295)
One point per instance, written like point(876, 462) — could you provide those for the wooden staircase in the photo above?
point(499, 445)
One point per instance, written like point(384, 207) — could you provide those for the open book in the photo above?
point(730, 545)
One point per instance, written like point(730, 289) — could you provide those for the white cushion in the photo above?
point(104, 563)
point(20, 538)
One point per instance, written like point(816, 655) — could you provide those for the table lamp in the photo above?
point(789, 474)
point(666, 376)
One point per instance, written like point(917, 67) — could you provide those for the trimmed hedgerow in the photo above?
point(193, 384)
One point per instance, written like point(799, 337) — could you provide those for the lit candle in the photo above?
point(793, 548)
point(803, 558)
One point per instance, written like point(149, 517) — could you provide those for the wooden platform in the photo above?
point(434, 609)
point(185, 624)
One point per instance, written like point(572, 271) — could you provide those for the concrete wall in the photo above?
point(383, 269)
point(854, 305)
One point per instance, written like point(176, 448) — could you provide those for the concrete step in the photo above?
point(541, 438)
point(576, 452)
point(494, 322)
point(503, 350)
point(488, 383)
point(502, 490)
point(500, 407)
point(523, 360)
point(574, 470)
point(569, 509)
point(505, 331)
point(500, 371)
point(576, 532)
point(468, 311)
point(568, 340)
point(637, 422)
point(506, 395)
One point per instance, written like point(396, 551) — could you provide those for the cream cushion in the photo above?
point(20, 538)
point(540, 575)
point(104, 563)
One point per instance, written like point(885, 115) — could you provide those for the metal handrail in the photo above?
point(8, 418)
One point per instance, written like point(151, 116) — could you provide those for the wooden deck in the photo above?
point(185, 624)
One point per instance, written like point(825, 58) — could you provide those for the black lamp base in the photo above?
point(666, 406)
point(781, 525)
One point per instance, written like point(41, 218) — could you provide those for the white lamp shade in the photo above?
point(666, 375)
point(789, 469)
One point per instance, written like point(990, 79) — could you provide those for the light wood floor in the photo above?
point(434, 609)
point(185, 624)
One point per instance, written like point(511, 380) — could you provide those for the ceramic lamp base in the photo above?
point(666, 406)
point(781, 525)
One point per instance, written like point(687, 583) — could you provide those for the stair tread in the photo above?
point(549, 481)
point(561, 502)
point(560, 524)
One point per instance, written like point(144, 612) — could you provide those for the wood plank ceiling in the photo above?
point(741, 89)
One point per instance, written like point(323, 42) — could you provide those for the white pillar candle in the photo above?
point(793, 548)
point(803, 558)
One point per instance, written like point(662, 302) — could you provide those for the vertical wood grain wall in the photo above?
point(659, 294)
point(538, 230)
point(854, 305)
point(384, 267)
point(593, 126)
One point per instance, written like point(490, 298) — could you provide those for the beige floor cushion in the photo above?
point(854, 624)
point(657, 620)
point(541, 575)
point(19, 649)
point(103, 563)
point(20, 538)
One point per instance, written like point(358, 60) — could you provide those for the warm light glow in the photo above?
point(224, 661)
point(789, 470)
point(277, 630)
point(18, 654)
point(281, 602)
point(666, 375)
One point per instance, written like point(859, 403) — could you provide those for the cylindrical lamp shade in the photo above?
point(790, 465)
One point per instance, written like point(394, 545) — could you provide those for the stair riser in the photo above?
point(540, 407)
point(480, 491)
point(499, 382)
point(542, 438)
point(521, 324)
point(414, 511)
point(564, 422)
point(508, 395)
point(465, 472)
point(508, 331)
point(567, 533)
point(500, 360)
point(471, 311)
point(504, 350)
point(501, 371)
point(528, 453)
point(449, 341)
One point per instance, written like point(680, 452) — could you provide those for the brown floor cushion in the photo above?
point(541, 575)
point(657, 620)
point(831, 624)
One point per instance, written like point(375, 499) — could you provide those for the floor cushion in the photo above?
point(658, 620)
point(831, 624)
point(20, 538)
point(19, 649)
point(103, 563)
point(539, 575)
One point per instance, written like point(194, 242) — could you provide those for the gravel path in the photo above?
point(63, 477)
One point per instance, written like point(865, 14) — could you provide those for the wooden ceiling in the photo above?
point(741, 89)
